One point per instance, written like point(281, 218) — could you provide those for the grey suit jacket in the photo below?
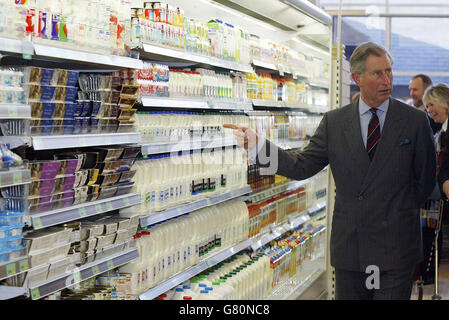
point(376, 214)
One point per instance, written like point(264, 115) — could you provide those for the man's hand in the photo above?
point(246, 137)
point(446, 188)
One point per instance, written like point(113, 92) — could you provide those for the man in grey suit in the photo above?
point(382, 156)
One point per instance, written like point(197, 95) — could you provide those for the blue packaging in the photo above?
point(71, 94)
point(87, 108)
point(78, 108)
point(48, 93)
point(96, 105)
point(70, 109)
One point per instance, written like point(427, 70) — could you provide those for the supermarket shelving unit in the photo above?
point(120, 254)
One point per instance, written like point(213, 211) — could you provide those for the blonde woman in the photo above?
point(436, 99)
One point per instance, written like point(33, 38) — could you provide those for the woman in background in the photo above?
point(436, 99)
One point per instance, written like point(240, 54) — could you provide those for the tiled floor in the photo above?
point(443, 274)
point(443, 285)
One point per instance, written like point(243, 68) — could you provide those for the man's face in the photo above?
point(417, 89)
point(376, 83)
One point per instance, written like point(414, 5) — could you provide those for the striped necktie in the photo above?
point(373, 134)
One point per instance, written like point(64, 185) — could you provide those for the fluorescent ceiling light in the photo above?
point(223, 8)
point(239, 15)
point(310, 46)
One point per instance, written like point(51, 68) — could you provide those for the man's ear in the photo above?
point(356, 78)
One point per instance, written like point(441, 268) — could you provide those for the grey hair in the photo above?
point(363, 51)
point(439, 93)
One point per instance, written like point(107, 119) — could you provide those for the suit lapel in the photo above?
point(391, 131)
point(353, 136)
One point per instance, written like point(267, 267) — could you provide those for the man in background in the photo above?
point(418, 85)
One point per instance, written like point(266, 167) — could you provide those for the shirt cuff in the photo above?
point(254, 151)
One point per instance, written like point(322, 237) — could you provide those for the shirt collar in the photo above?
point(444, 126)
point(363, 107)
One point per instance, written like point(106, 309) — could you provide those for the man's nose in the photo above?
point(386, 78)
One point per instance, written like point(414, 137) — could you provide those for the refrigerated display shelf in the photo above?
point(84, 210)
point(277, 231)
point(27, 47)
point(193, 271)
point(83, 272)
point(294, 106)
point(293, 288)
point(150, 51)
point(185, 145)
point(156, 217)
point(7, 292)
point(217, 258)
point(317, 208)
point(15, 141)
point(16, 46)
point(264, 65)
point(197, 103)
point(14, 177)
point(259, 196)
point(15, 267)
point(15, 111)
point(88, 57)
point(319, 84)
point(83, 140)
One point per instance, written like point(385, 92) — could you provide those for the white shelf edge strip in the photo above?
point(83, 140)
point(14, 177)
point(15, 111)
point(194, 270)
point(174, 103)
point(59, 216)
point(7, 292)
point(15, 141)
point(187, 56)
point(50, 286)
point(186, 208)
point(317, 207)
point(16, 46)
point(200, 103)
point(84, 56)
point(155, 148)
point(292, 185)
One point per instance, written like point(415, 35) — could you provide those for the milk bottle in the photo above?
point(134, 270)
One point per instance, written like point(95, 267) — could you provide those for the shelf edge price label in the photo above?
point(37, 223)
point(110, 264)
point(126, 202)
point(83, 141)
point(11, 269)
point(17, 177)
point(12, 111)
point(95, 270)
point(24, 265)
point(98, 208)
point(109, 206)
point(35, 294)
point(82, 212)
point(77, 277)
